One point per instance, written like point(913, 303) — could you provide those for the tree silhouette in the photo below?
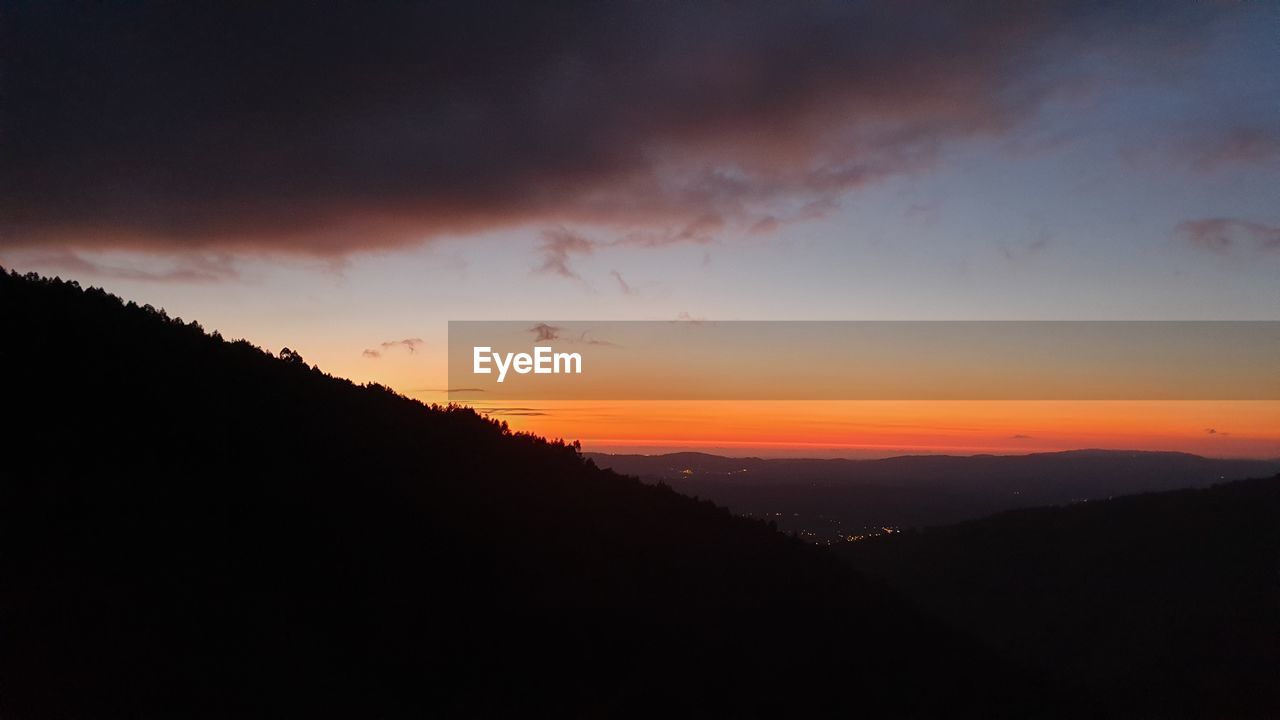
point(192, 526)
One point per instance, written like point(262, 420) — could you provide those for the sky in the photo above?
point(345, 179)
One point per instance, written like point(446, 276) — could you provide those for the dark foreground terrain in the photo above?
point(1158, 605)
point(193, 527)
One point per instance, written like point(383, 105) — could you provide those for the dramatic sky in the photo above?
point(345, 179)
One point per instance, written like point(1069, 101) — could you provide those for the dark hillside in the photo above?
point(1158, 605)
point(195, 527)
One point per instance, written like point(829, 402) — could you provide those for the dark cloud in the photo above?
point(327, 128)
point(1020, 437)
point(1223, 235)
point(373, 354)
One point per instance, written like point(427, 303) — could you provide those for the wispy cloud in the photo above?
point(560, 245)
point(557, 246)
point(443, 391)
point(586, 338)
point(1224, 235)
point(544, 333)
point(409, 344)
point(517, 411)
point(622, 284)
point(1034, 245)
point(179, 268)
point(1237, 146)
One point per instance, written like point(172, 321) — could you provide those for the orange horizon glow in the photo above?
point(864, 428)
point(1240, 429)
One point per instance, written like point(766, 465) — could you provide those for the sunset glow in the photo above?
point(878, 429)
point(1027, 163)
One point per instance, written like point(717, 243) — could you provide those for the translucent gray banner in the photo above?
point(858, 360)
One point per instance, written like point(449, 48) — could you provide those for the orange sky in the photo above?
point(876, 428)
point(844, 428)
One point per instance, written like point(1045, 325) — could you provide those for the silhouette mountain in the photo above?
point(829, 499)
point(194, 527)
point(1155, 605)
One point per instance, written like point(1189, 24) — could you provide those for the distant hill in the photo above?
point(1157, 605)
point(195, 527)
point(826, 499)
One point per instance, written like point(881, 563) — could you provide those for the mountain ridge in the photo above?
point(824, 500)
point(196, 527)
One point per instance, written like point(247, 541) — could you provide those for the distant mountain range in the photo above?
point(827, 499)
